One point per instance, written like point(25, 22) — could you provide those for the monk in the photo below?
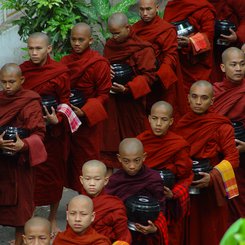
point(48, 77)
point(211, 137)
point(79, 217)
point(37, 231)
point(169, 83)
point(110, 219)
point(195, 51)
point(19, 108)
point(126, 107)
point(90, 74)
point(168, 151)
point(137, 179)
point(230, 101)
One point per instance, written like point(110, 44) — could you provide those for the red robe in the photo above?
point(21, 110)
point(90, 73)
point(50, 79)
point(163, 37)
point(201, 15)
point(171, 152)
point(127, 111)
point(90, 237)
point(229, 101)
point(210, 136)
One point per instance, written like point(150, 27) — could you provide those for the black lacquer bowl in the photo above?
point(168, 178)
point(123, 73)
point(49, 101)
point(76, 98)
point(239, 130)
point(184, 28)
point(222, 27)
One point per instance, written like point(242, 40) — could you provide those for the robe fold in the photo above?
point(169, 86)
point(21, 110)
point(126, 111)
point(51, 79)
point(200, 15)
point(210, 136)
point(90, 74)
point(89, 237)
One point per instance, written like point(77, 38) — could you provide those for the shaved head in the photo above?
point(11, 68)
point(82, 27)
point(131, 144)
point(156, 2)
point(37, 222)
point(96, 164)
point(118, 19)
point(203, 83)
point(162, 104)
point(226, 55)
point(40, 35)
point(83, 201)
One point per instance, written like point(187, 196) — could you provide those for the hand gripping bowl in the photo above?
point(239, 130)
point(184, 28)
point(49, 101)
point(123, 73)
point(168, 178)
point(222, 27)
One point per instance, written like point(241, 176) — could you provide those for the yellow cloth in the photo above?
point(229, 179)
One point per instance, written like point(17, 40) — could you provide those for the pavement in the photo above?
point(7, 233)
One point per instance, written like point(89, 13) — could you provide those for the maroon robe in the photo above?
point(210, 136)
point(21, 110)
point(50, 79)
point(90, 74)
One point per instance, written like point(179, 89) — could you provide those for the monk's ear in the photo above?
point(22, 79)
point(81, 179)
point(93, 217)
point(67, 213)
point(222, 67)
point(119, 158)
point(91, 40)
point(212, 101)
point(171, 121)
point(106, 180)
point(24, 239)
point(144, 156)
point(49, 49)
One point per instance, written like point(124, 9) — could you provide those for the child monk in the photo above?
point(79, 216)
point(110, 219)
point(135, 178)
point(37, 230)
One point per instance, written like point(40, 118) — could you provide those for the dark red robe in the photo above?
point(210, 136)
point(163, 37)
point(126, 112)
point(90, 74)
point(171, 152)
point(230, 102)
point(50, 79)
point(201, 15)
point(90, 237)
point(21, 110)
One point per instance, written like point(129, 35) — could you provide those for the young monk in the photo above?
point(166, 150)
point(19, 108)
point(80, 216)
point(137, 179)
point(110, 219)
point(37, 230)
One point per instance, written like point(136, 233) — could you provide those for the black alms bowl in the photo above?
point(49, 101)
point(200, 165)
point(239, 130)
point(140, 209)
point(222, 27)
point(184, 28)
point(123, 73)
point(168, 178)
point(76, 98)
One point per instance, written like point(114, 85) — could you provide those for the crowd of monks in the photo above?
point(179, 106)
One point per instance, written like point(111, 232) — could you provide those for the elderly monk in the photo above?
point(19, 108)
point(49, 78)
point(230, 102)
point(90, 74)
point(195, 51)
point(211, 137)
point(169, 83)
point(126, 108)
point(110, 219)
point(168, 151)
point(137, 179)
point(37, 230)
point(80, 216)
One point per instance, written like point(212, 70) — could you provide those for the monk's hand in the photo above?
point(112, 73)
point(151, 228)
point(183, 41)
point(203, 182)
point(18, 144)
point(118, 88)
point(230, 38)
point(50, 118)
point(4, 144)
point(78, 111)
point(240, 145)
point(167, 192)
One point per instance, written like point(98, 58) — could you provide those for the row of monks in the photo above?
point(169, 71)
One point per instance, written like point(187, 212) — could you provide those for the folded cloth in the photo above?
point(229, 179)
point(200, 43)
point(73, 119)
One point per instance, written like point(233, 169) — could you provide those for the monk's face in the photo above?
point(38, 49)
point(37, 235)
point(11, 82)
point(234, 67)
point(148, 10)
point(93, 180)
point(119, 33)
point(80, 39)
point(160, 120)
point(200, 99)
point(132, 160)
point(79, 216)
